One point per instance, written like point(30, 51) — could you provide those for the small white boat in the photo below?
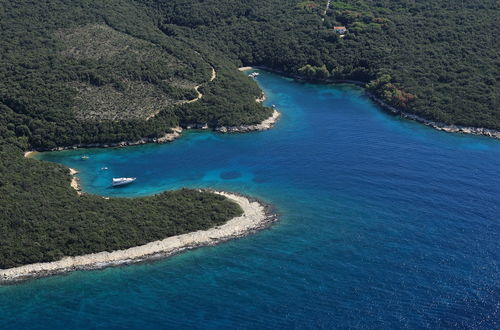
point(253, 74)
point(85, 157)
point(122, 181)
point(104, 168)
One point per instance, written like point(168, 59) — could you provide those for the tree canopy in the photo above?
point(88, 71)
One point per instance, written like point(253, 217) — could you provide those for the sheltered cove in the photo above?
point(488, 132)
point(251, 221)
point(256, 216)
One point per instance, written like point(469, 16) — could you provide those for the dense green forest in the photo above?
point(85, 71)
point(435, 58)
point(76, 72)
point(81, 72)
point(45, 219)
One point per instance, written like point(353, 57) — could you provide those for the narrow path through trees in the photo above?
point(200, 95)
point(196, 88)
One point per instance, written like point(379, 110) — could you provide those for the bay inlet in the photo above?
point(383, 223)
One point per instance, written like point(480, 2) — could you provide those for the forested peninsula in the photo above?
point(83, 72)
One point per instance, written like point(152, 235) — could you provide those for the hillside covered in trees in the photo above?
point(87, 71)
point(45, 219)
point(437, 59)
point(79, 72)
point(76, 72)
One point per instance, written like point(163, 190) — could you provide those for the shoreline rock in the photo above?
point(449, 128)
point(261, 99)
point(264, 125)
point(245, 68)
point(176, 131)
point(75, 182)
point(168, 137)
point(257, 216)
point(29, 154)
point(436, 125)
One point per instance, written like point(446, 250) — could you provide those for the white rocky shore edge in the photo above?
point(437, 125)
point(256, 216)
point(176, 133)
point(488, 132)
point(264, 125)
point(168, 137)
point(75, 182)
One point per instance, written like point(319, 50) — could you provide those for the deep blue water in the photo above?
point(385, 223)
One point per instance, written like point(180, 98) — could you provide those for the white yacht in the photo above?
point(253, 74)
point(122, 181)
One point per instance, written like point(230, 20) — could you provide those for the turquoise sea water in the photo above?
point(385, 223)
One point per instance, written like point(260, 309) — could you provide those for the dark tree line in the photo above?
point(434, 58)
point(441, 56)
point(38, 77)
point(43, 219)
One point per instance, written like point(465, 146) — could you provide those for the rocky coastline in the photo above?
point(264, 125)
point(168, 137)
point(256, 216)
point(176, 131)
point(492, 133)
point(75, 182)
point(436, 125)
point(261, 99)
point(175, 134)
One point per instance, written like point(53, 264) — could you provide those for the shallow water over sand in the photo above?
point(384, 223)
